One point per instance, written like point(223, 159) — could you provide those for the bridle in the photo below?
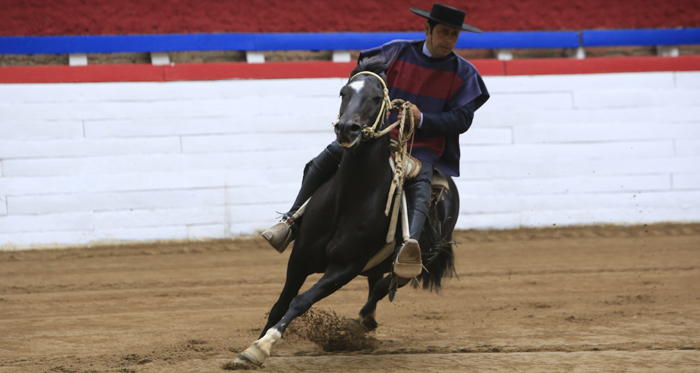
point(405, 134)
point(370, 132)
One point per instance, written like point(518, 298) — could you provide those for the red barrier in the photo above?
point(81, 74)
point(270, 70)
point(490, 67)
point(601, 65)
point(325, 69)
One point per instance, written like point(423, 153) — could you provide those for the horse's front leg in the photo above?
point(335, 277)
point(297, 271)
point(295, 280)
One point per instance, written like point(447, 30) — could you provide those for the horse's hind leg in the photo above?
point(334, 278)
point(376, 293)
point(365, 321)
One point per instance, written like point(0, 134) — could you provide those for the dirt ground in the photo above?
point(591, 299)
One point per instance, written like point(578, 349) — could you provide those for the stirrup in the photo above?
point(408, 262)
point(279, 236)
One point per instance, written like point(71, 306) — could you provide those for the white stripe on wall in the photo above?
point(98, 162)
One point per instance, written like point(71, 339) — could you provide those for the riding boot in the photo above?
point(408, 262)
point(316, 173)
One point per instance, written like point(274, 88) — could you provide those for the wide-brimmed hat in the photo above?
point(446, 15)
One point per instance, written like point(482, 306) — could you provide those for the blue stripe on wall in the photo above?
point(524, 39)
point(333, 41)
point(601, 38)
point(264, 42)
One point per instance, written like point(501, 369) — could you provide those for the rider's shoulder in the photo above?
point(464, 67)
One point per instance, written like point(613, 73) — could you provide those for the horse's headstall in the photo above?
point(367, 131)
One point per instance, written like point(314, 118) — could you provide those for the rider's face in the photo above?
point(442, 40)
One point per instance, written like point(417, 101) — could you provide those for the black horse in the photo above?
point(345, 223)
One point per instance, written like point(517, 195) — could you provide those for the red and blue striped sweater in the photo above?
point(447, 91)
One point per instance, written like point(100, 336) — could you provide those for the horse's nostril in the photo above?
point(355, 128)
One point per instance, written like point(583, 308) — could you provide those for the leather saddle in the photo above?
point(439, 184)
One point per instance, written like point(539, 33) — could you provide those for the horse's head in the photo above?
point(363, 99)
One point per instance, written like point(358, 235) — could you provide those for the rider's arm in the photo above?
point(451, 122)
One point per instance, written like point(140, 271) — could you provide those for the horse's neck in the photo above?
point(367, 165)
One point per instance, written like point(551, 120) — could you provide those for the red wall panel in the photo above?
point(324, 69)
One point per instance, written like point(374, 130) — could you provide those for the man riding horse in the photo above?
point(445, 90)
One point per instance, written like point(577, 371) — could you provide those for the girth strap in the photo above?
point(379, 257)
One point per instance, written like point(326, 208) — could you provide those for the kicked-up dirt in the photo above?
point(587, 299)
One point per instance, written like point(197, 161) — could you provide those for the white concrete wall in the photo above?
point(84, 163)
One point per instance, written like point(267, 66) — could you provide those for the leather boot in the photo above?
point(408, 262)
point(316, 173)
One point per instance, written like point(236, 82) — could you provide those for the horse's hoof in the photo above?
point(253, 355)
point(354, 325)
point(246, 359)
point(241, 362)
point(259, 350)
point(369, 323)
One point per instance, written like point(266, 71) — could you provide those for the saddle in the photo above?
point(439, 184)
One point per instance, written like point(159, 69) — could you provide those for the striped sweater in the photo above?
point(446, 90)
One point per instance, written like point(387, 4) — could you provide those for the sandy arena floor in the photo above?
point(594, 299)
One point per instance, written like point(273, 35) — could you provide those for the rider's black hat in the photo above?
point(446, 15)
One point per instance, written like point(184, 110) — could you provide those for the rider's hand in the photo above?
point(416, 115)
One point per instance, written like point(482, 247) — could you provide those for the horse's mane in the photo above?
point(377, 64)
point(374, 64)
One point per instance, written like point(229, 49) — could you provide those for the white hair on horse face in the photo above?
point(357, 85)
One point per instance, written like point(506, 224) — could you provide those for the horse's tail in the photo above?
point(439, 262)
point(443, 266)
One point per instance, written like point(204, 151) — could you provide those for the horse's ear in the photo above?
point(383, 75)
